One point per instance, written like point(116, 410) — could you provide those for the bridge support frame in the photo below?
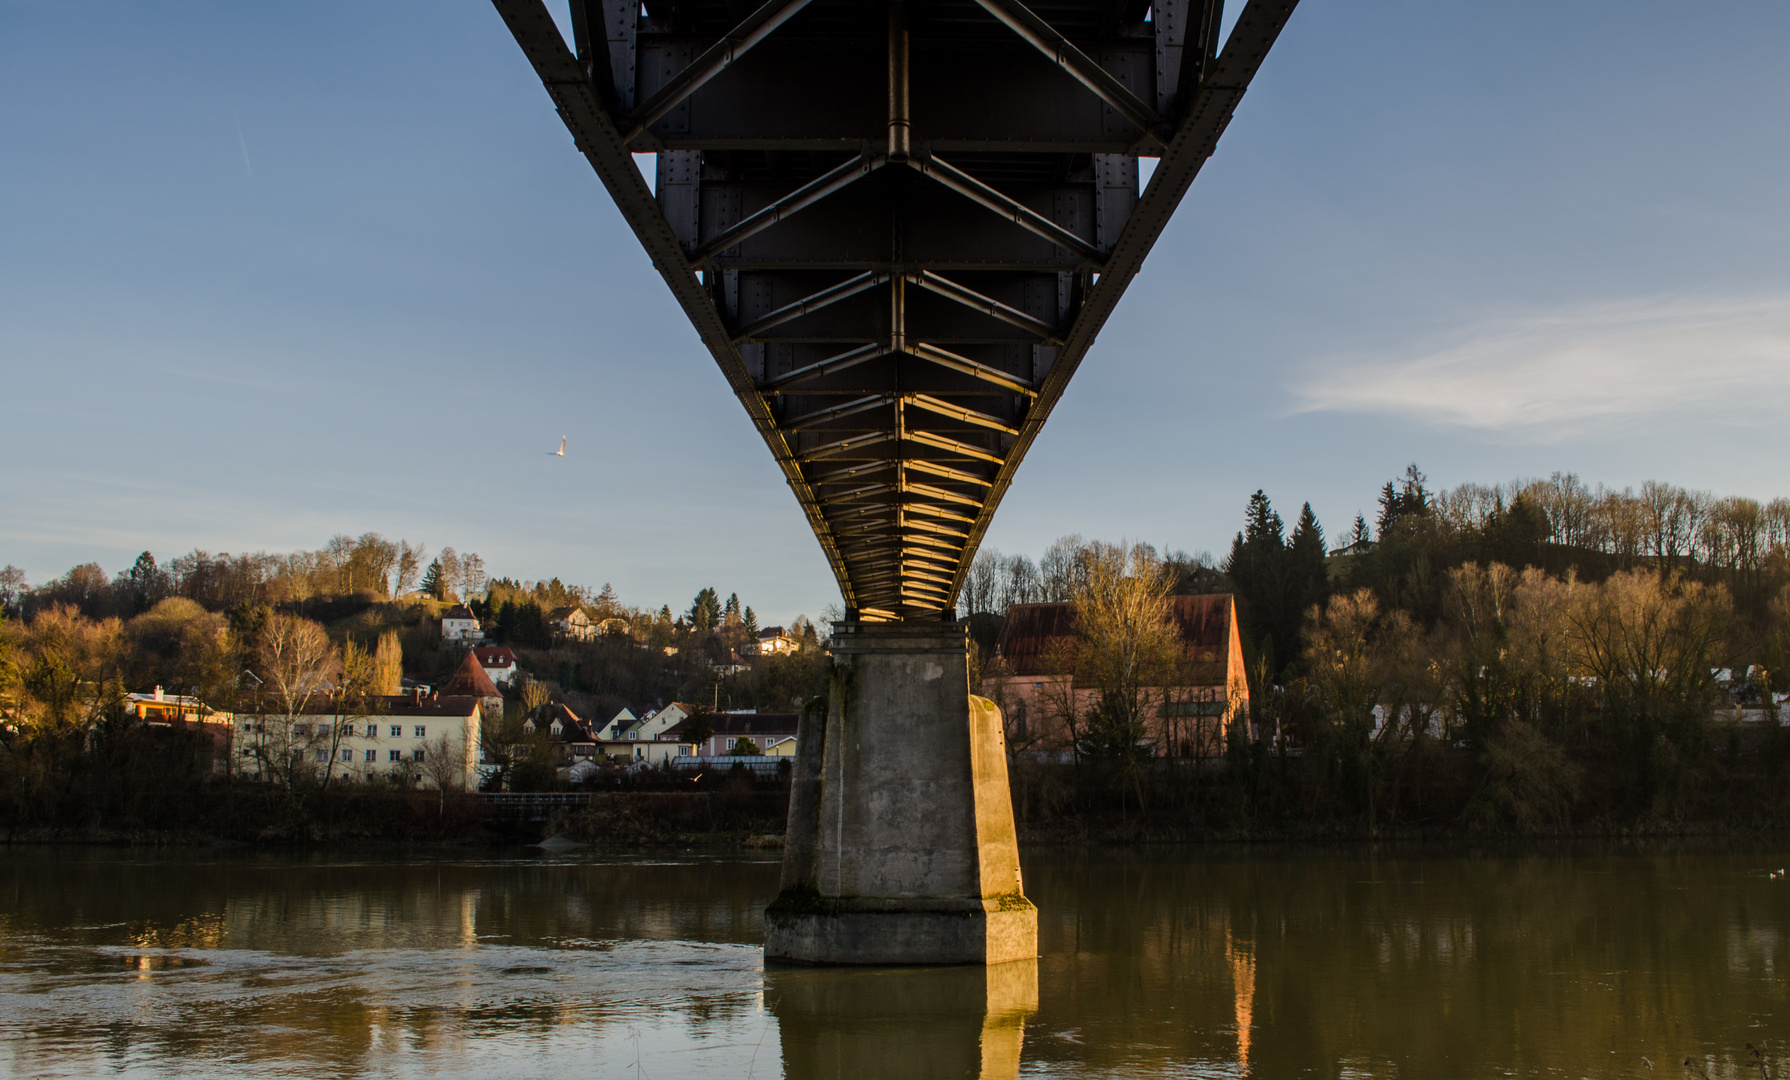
point(901, 846)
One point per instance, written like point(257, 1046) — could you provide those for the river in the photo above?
point(1571, 961)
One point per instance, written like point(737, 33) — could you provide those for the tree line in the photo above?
point(1536, 655)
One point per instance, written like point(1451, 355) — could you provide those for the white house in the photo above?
point(650, 740)
point(572, 624)
point(498, 661)
point(657, 723)
point(404, 735)
point(617, 724)
point(772, 641)
point(461, 625)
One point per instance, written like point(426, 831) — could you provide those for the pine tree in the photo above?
point(432, 579)
point(1260, 567)
point(751, 622)
point(705, 610)
point(1311, 582)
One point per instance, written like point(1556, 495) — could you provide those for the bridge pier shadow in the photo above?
point(903, 1023)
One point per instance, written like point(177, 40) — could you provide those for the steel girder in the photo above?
point(897, 225)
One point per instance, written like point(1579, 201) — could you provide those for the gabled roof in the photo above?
point(470, 678)
point(573, 728)
point(495, 656)
point(1037, 639)
point(758, 725)
point(771, 632)
point(460, 611)
point(1033, 636)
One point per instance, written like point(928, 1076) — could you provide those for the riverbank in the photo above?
point(1268, 800)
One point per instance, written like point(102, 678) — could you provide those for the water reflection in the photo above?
point(1245, 962)
point(903, 1023)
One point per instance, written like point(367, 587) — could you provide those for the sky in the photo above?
point(271, 272)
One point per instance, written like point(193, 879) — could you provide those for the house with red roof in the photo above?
point(499, 662)
point(1033, 677)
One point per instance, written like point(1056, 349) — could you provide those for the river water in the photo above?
point(1260, 962)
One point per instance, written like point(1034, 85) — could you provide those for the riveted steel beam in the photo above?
point(1062, 52)
point(837, 178)
point(954, 178)
point(963, 365)
point(863, 354)
point(975, 301)
point(958, 412)
point(813, 302)
point(733, 45)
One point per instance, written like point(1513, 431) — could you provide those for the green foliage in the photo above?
point(705, 610)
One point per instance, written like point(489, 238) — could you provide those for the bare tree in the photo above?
point(409, 569)
point(1128, 649)
point(296, 660)
point(472, 576)
point(444, 765)
point(981, 583)
point(1063, 569)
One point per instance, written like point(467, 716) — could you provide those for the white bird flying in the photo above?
point(561, 452)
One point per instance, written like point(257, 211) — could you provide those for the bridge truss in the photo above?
point(897, 225)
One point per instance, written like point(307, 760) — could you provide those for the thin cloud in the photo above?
point(244, 143)
point(1593, 365)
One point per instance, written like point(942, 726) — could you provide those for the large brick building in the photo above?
point(1032, 677)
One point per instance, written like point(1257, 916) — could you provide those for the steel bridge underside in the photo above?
point(897, 226)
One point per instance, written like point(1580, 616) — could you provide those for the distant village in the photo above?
point(491, 724)
point(1459, 628)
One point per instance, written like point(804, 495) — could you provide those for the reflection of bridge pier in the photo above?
point(901, 845)
point(891, 1024)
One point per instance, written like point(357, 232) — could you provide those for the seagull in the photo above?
point(561, 452)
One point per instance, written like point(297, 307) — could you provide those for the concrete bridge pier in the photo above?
point(901, 847)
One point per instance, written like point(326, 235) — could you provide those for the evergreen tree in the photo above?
point(731, 612)
point(705, 610)
point(1310, 581)
point(146, 584)
point(1260, 567)
point(751, 622)
point(1360, 534)
point(434, 581)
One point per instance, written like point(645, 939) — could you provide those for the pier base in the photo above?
point(901, 847)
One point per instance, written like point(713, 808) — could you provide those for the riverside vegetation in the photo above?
point(1531, 658)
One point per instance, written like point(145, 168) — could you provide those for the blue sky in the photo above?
point(272, 272)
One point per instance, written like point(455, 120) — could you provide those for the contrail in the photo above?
point(242, 142)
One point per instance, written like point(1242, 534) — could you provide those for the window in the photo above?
point(372, 730)
point(347, 755)
point(417, 755)
point(372, 756)
point(422, 732)
point(730, 743)
point(301, 729)
point(323, 729)
point(397, 733)
point(246, 752)
point(323, 755)
point(395, 755)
